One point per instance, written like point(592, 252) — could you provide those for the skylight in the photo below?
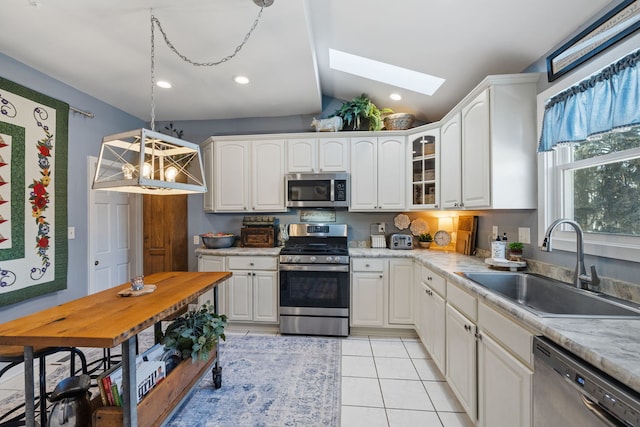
point(385, 73)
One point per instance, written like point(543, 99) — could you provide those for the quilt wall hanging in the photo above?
point(33, 193)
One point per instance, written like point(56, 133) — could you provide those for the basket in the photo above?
point(398, 121)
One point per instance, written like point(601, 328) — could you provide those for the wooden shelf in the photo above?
point(156, 406)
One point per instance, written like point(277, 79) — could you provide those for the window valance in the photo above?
point(605, 101)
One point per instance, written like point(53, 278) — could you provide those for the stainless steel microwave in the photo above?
point(317, 190)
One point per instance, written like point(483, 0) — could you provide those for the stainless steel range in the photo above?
point(314, 280)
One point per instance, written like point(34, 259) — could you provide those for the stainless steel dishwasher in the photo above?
point(569, 392)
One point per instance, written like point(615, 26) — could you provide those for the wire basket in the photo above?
point(399, 121)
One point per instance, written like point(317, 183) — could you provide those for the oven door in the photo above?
point(312, 289)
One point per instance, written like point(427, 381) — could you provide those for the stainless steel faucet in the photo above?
point(580, 277)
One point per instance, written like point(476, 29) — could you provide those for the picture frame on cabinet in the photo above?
point(614, 26)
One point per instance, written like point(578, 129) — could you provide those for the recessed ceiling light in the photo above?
point(383, 72)
point(395, 96)
point(163, 84)
point(241, 80)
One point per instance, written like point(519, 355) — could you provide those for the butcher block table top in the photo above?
point(105, 319)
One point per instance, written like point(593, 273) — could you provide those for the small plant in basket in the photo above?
point(515, 250)
point(195, 333)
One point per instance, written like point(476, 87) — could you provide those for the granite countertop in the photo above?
point(235, 250)
point(612, 345)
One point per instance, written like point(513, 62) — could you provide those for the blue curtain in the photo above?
point(607, 100)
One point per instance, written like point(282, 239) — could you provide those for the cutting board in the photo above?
point(466, 235)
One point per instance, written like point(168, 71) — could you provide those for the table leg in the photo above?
point(29, 394)
point(130, 404)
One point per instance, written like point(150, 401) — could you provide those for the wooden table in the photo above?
point(104, 320)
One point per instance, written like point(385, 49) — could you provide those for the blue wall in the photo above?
point(85, 136)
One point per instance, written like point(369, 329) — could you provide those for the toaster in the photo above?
point(401, 241)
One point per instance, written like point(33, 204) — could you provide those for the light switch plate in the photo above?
point(71, 233)
point(196, 240)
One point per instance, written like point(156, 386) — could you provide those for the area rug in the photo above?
point(269, 381)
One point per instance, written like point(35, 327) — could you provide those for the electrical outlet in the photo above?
point(382, 227)
point(196, 240)
point(494, 232)
point(524, 235)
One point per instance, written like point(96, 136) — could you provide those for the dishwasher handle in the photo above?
point(597, 410)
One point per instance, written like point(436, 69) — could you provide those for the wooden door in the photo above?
point(164, 233)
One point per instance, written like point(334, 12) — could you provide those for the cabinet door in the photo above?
point(265, 296)
point(461, 366)
point(424, 169)
point(207, 158)
point(301, 155)
point(214, 263)
point(504, 387)
point(400, 292)
point(451, 163)
point(476, 161)
point(232, 176)
point(367, 299)
point(333, 155)
point(267, 188)
point(364, 175)
point(240, 296)
point(391, 174)
point(434, 325)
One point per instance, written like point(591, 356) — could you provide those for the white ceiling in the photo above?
point(103, 48)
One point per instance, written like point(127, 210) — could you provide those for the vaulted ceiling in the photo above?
point(103, 48)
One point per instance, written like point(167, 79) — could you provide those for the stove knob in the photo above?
point(329, 259)
point(296, 259)
point(289, 258)
point(313, 259)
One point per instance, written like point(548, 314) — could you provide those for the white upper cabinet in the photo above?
point(424, 169)
point(378, 173)
point(317, 155)
point(494, 131)
point(207, 160)
point(451, 161)
point(248, 176)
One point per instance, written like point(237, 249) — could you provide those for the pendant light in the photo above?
point(148, 162)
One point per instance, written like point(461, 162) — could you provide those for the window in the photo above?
point(590, 167)
point(601, 183)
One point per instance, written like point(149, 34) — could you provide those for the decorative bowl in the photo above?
point(398, 121)
point(217, 242)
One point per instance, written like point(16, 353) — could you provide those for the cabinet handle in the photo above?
point(366, 265)
point(467, 328)
point(429, 278)
point(478, 336)
point(381, 276)
point(251, 264)
point(461, 204)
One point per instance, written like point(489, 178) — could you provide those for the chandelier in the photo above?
point(148, 162)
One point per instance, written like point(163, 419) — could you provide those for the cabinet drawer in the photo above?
point(252, 263)
point(517, 339)
point(434, 281)
point(367, 264)
point(462, 301)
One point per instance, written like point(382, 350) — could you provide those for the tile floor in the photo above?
point(386, 382)
point(392, 382)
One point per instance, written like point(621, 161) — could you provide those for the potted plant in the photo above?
point(424, 240)
point(195, 333)
point(359, 111)
point(515, 251)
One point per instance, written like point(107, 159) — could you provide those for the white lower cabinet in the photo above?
point(430, 313)
point(461, 368)
point(381, 292)
point(504, 387)
point(400, 292)
point(251, 294)
point(505, 375)
point(214, 263)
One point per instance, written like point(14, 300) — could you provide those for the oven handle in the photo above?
point(314, 267)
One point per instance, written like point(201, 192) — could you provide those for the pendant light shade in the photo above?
point(149, 162)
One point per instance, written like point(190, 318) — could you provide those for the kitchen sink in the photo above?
point(547, 297)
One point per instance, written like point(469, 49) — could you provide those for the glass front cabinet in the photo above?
point(425, 169)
